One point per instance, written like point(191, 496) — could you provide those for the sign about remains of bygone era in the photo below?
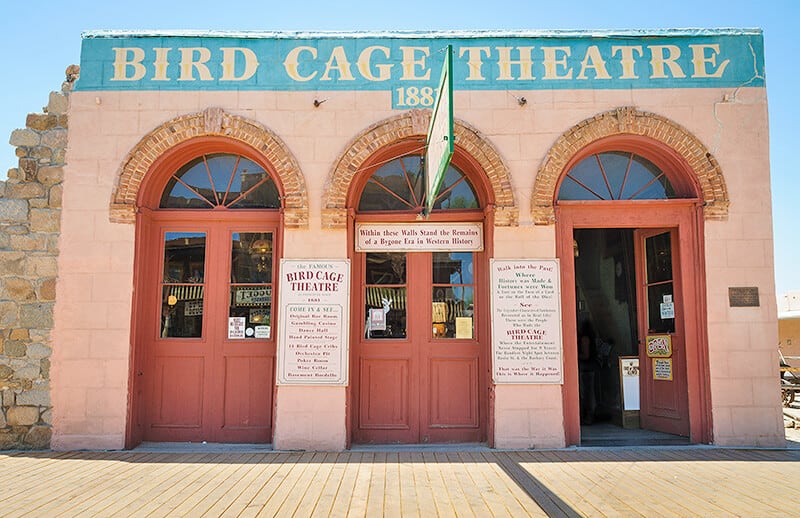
point(314, 319)
point(419, 237)
point(526, 321)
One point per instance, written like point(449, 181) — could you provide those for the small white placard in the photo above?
point(667, 310)
point(236, 327)
point(262, 331)
point(377, 319)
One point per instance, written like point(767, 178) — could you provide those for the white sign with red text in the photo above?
point(419, 237)
point(314, 320)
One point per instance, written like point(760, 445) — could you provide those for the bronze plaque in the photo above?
point(743, 297)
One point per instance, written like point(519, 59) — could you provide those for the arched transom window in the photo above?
point(398, 185)
point(221, 180)
point(616, 175)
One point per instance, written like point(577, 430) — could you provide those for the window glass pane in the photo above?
point(182, 289)
point(386, 268)
point(254, 304)
point(251, 257)
point(585, 181)
point(182, 311)
point(221, 179)
point(452, 267)
point(659, 258)
point(655, 297)
point(178, 196)
point(615, 164)
point(184, 257)
point(385, 295)
point(453, 295)
point(462, 196)
point(251, 282)
point(398, 185)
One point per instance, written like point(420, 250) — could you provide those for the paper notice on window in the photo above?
point(236, 327)
point(464, 327)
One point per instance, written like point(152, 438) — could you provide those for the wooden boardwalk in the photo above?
point(692, 481)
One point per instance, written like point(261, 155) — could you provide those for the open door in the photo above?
point(662, 351)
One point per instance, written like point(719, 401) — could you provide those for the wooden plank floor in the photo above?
point(691, 481)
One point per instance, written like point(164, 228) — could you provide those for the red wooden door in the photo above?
point(209, 347)
point(419, 359)
point(662, 352)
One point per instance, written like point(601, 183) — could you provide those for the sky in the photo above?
point(40, 38)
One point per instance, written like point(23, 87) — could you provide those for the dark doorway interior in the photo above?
point(605, 294)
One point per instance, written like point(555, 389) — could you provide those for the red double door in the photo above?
point(419, 363)
point(207, 347)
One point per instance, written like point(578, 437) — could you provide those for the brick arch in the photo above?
point(698, 160)
point(211, 122)
point(414, 123)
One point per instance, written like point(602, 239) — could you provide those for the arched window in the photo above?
point(221, 180)
point(616, 175)
point(398, 185)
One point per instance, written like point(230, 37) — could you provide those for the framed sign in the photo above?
point(629, 381)
point(526, 321)
point(659, 346)
point(662, 369)
point(314, 322)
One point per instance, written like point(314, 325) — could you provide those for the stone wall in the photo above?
point(30, 212)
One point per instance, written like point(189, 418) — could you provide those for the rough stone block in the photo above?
point(45, 220)
point(24, 137)
point(36, 316)
point(56, 194)
point(14, 288)
point(13, 210)
point(41, 121)
point(59, 103)
point(6, 372)
point(38, 437)
point(12, 263)
point(22, 415)
point(50, 175)
point(9, 313)
point(19, 334)
point(41, 266)
point(26, 374)
point(3, 422)
point(24, 191)
point(34, 398)
point(28, 168)
point(32, 243)
point(37, 351)
point(47, 290)
point(55, 139)
point(9, 440)
point(15, 348)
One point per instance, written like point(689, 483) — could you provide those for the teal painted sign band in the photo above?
point(408, 66)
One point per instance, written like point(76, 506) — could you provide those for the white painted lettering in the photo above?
point(128, 57)
point(229, 63)
point(338, 61)
point(700, 60)
point(628, 61)
point(592, 59)
point(411, 63)
point(658, 61)
point(365, 64)
point(474, 61)
point(525, 63)
point(552, 62)
point(292, 63)
point(189, 64)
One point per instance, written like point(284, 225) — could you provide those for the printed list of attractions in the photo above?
point(312, 347)
point(526, 321)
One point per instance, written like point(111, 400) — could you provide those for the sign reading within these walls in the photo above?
point(526, 321)
point(419, 237)
point(314, 320)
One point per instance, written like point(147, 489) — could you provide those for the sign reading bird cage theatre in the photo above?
point(314, 319)
point(526, 321)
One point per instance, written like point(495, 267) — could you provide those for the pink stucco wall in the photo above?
point(91, 341)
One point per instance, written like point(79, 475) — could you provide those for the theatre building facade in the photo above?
point(260, 240)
